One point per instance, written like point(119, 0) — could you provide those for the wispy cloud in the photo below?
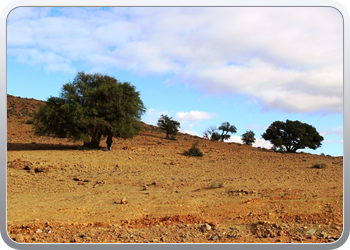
point(334, 141)
point(259, 127)
point(335, 131)
point(189, 119)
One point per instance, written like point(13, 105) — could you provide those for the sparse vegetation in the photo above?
point(252, 194)
point(194, 151)
point(320, 164)
point(217, 184)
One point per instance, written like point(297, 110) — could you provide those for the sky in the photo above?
point(202, 66)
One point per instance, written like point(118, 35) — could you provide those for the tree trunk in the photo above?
point(94, 143)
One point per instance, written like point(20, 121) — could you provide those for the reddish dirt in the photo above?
point(57, 191)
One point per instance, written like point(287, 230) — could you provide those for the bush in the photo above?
point(216, 184)
point(320, 165)
point(29, 121)
point(194, 151)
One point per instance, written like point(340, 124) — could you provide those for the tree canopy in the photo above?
point(248, 138)
point(226, 128)
point(290, 136)
point(170, 126)
point(91, 106)
point(213, 134)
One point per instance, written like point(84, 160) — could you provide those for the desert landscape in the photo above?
point(145, 190)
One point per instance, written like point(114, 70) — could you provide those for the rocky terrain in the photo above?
point(147, 190)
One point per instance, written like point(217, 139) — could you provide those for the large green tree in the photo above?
point(91, 106)
point(290, 136)
point(170, 126)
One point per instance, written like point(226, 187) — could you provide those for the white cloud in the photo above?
point(258, 142)
point(193, 116)
point(286, 58)
point(262, 143)
point(237, 139)
point(190, 132)
point(152, 115)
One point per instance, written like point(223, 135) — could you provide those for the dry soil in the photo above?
point(57, 191)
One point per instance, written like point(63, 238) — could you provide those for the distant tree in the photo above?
point(248, 137)
point(290, 136)
point(91, 106)
point(170, 126)
point(211, 134)
point(226, 128)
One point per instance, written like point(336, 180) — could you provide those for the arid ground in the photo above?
point(59, 192)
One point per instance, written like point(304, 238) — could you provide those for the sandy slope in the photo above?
point(58, 192)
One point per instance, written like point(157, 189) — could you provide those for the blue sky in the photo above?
point(202, 66)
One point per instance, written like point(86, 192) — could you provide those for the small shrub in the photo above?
point(194, 151)
point(30, 121)
point(217, 184)
point(322, 154)
point(320, 165)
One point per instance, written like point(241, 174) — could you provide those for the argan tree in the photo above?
point(91, 106)
point(226, 128)
point(290, 136)
point(248, 138)
point(211, 134)
point(170, 126)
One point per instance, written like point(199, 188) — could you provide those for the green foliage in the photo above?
point(194, 151)
point(290, 136)
point(89, 107)
point(170, 126)
point(226, 128)
point(213, 134)
point(248, 137)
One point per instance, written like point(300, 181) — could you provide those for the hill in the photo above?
point(60, 192)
